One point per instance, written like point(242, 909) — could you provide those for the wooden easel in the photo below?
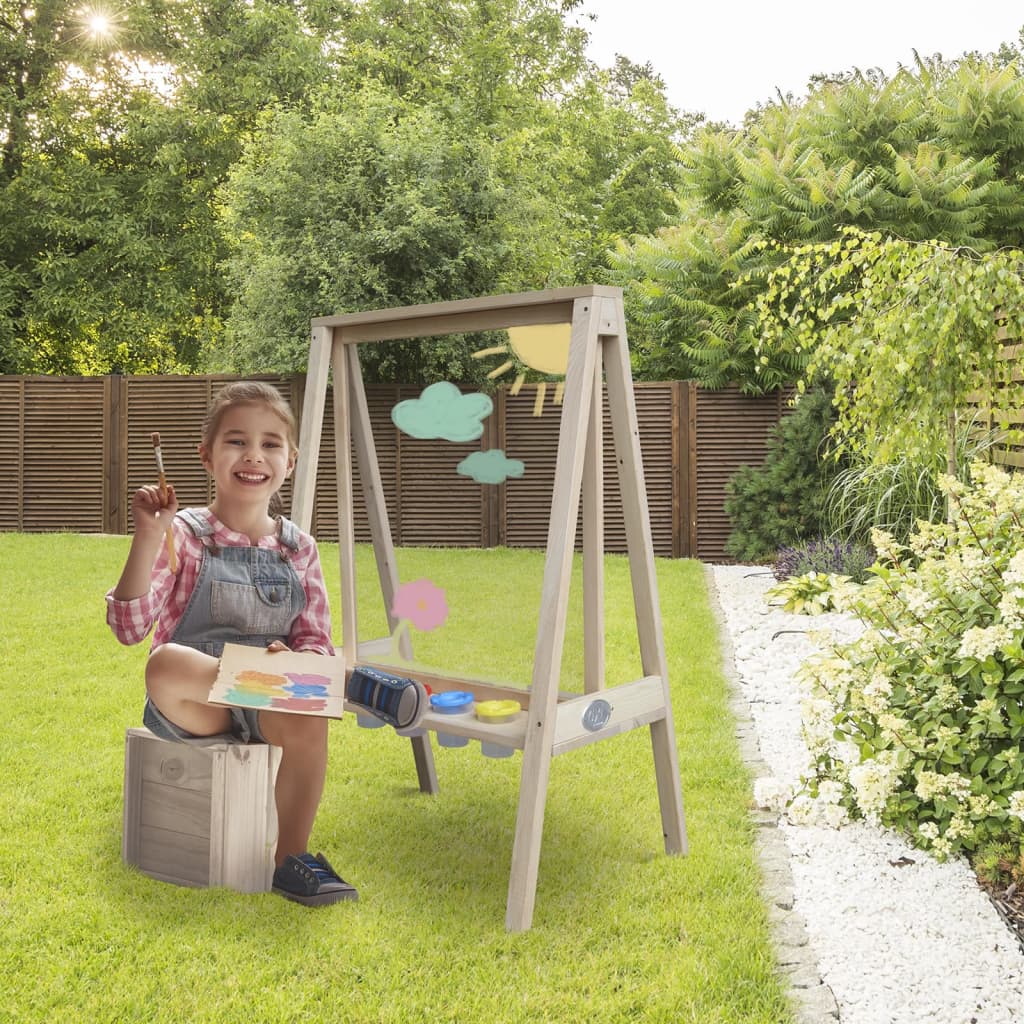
point(552, 723)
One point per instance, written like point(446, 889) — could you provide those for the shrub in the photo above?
point(919, 722)
point(893, 496)
point(782, 501)
point(809, 594)
point(845, 558)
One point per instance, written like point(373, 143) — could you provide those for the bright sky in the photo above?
point(723, 57)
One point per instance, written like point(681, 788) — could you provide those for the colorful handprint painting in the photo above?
point(302, 683)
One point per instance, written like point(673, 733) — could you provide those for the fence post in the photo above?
point(115, 461)
point(684, 443)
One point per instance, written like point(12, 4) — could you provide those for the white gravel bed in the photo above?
point(897, 942)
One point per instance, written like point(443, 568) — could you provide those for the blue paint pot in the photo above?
point(451, 702)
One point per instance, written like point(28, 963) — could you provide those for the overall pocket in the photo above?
point(263, 608)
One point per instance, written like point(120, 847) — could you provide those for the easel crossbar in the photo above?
point(632, 705)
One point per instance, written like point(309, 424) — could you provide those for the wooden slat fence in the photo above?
point(990, 418)
point(73, 450)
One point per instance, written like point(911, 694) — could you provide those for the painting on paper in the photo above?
point(302, 683)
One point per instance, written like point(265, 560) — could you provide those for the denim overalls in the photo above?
point(243, 595)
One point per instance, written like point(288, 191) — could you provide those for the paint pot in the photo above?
point(494, 712)
point(451, 702)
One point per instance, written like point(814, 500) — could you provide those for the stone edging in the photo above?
point(812, 1000)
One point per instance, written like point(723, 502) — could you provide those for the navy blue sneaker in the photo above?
point(311, 881)
point(398, 701)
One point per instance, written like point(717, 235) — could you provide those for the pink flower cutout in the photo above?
point(422, 604)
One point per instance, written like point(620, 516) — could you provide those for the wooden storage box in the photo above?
point(200, 816)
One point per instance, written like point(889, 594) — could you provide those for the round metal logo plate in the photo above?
point(596, 715)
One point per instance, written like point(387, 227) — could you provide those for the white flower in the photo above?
point(919, 601)
point(1014, 573)
point(770, 794)
point(1016, 807)
point(817, 724)
point(950, 486)
point(928, 830)
point(835, 815)
point(885, 544)
point(1011, 608)
point(982, 806)
point(979, 642)
point(932, 784)
point(927, 536)
point(872, 782)
point(802, 810)
point(877, 691)
point(830, 791)
point(929, 784)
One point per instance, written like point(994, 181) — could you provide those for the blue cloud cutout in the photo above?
point(490, 467)
point(442, 411)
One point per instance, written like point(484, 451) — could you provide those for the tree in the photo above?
point(782, 502)
point(688, 296)
point(484, 155)
point(930, 153)
point(366, 203)
point(906, 331)
point(115, 138)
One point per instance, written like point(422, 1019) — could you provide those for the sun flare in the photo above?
point(98, 23)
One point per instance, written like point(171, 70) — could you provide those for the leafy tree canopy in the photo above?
point(907, 331)
point(135, 236)
point(931, 153)
point(486, 156)
point(115, 137)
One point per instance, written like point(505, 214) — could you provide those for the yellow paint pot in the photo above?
point(495, 711)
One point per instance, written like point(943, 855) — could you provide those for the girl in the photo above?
point(247, 577)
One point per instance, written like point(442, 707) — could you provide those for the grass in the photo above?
point(621, 931)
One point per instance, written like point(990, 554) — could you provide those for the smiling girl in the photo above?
point(244, 576)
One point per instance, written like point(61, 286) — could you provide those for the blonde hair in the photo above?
point(249, 392)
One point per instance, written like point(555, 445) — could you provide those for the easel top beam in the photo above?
point(494, 312)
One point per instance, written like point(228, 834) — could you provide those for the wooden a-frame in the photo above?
point(552, 723)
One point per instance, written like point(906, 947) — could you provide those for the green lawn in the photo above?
point(621, 931)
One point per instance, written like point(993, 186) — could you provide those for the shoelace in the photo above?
point(322, 873)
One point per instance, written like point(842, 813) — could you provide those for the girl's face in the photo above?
point(251, 455)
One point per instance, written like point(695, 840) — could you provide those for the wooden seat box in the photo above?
point(200, 815)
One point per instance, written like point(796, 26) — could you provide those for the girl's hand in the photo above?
point(275, 645)
point(152, 514)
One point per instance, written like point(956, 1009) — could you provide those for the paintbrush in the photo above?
point(172, 561)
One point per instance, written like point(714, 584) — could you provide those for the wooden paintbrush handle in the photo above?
point(172, 559)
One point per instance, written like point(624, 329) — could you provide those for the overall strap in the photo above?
point(197, 521)
point(289, 534)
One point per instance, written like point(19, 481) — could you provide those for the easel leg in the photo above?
point(577, 410)
point(426, 773)
point(533, 792)
point(383, 545)
point(666, 772)
point(645, 589)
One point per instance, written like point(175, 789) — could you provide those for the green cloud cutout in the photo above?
point(490, 467)
point(442, 411)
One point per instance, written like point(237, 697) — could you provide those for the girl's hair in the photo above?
point(249, 392)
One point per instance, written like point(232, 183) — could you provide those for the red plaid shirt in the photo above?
point(169, 593)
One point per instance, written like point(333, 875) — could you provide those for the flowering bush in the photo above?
point(918, 723)
point(841, 557)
